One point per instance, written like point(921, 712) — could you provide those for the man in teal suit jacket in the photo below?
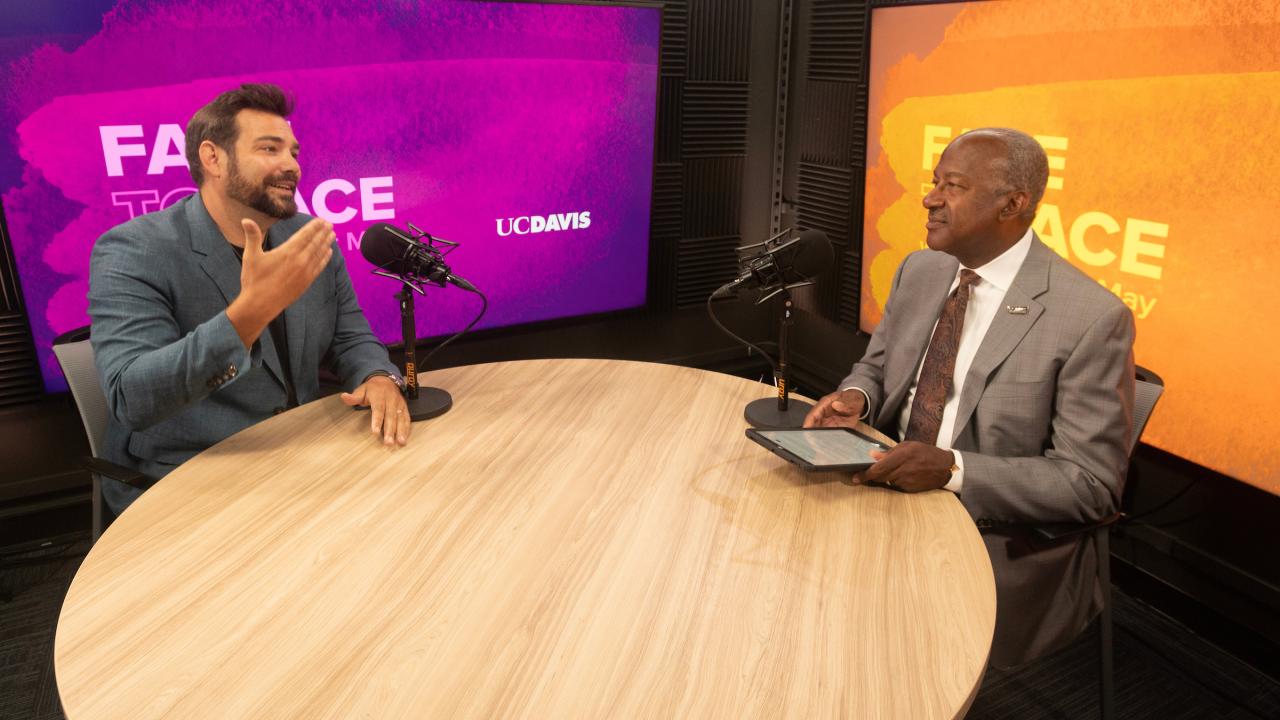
point(1038, 404)
point(217, 312)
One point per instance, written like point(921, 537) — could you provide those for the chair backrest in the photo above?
point(75, 356)
point(1146, 392)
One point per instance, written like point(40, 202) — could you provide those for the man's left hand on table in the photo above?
point(389, 415)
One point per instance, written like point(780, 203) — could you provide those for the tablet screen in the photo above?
point(824, 446)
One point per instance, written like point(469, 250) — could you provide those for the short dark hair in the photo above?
point(216, 122)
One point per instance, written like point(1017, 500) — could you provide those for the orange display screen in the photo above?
point(1162, 125)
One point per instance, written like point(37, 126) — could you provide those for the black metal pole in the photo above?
point(782, 413)
point(409, 330)
point(426, 402)
point(780, 378)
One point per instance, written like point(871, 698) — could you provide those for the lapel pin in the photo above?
point(1016, 309)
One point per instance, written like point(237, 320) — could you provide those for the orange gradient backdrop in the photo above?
point(1161, 123)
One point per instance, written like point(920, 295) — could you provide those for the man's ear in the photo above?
point(1018, 204)
point(213, 159)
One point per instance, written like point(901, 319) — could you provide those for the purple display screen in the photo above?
point(522, 131)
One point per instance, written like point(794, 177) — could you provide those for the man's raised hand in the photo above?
point(278, 277)
point(270, 280)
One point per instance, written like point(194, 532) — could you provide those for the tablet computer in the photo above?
point(820, 448)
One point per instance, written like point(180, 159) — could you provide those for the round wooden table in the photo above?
point(575, 539)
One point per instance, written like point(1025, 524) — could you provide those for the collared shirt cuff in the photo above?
point(866, 402)
point(957, 478)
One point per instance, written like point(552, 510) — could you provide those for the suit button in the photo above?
point(231, 371)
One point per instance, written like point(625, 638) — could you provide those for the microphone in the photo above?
point(789, 264)
point(778, 269)
point(414, 258)
point(400, 254)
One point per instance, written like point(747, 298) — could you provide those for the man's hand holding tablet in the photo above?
point(912, 466)
point(909, 466)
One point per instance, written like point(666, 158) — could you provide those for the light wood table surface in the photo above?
point(575, 539)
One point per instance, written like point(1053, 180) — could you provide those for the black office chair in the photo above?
point(75, 356)
point(1147, 391)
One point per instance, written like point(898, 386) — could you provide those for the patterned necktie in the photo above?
point(939, 365)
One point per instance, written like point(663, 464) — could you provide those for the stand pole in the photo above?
point(783, 413)
point(424, 403)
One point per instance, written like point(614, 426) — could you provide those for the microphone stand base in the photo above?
point(764, 413)
point(431, 402)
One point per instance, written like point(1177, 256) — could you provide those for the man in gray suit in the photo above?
point(1009, 376)
point(216, 313)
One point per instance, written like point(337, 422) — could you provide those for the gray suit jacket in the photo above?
point(1043, 428)
point(176, 376)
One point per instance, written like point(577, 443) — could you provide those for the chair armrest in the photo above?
point(1058, 531)
point(120, 473)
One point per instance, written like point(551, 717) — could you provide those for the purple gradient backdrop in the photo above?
point(478, 111)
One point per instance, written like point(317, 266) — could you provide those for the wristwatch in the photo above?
point(395, 378)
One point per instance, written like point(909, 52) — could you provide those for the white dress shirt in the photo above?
point(985, 298)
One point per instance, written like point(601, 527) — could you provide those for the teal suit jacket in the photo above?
point(176, 376)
